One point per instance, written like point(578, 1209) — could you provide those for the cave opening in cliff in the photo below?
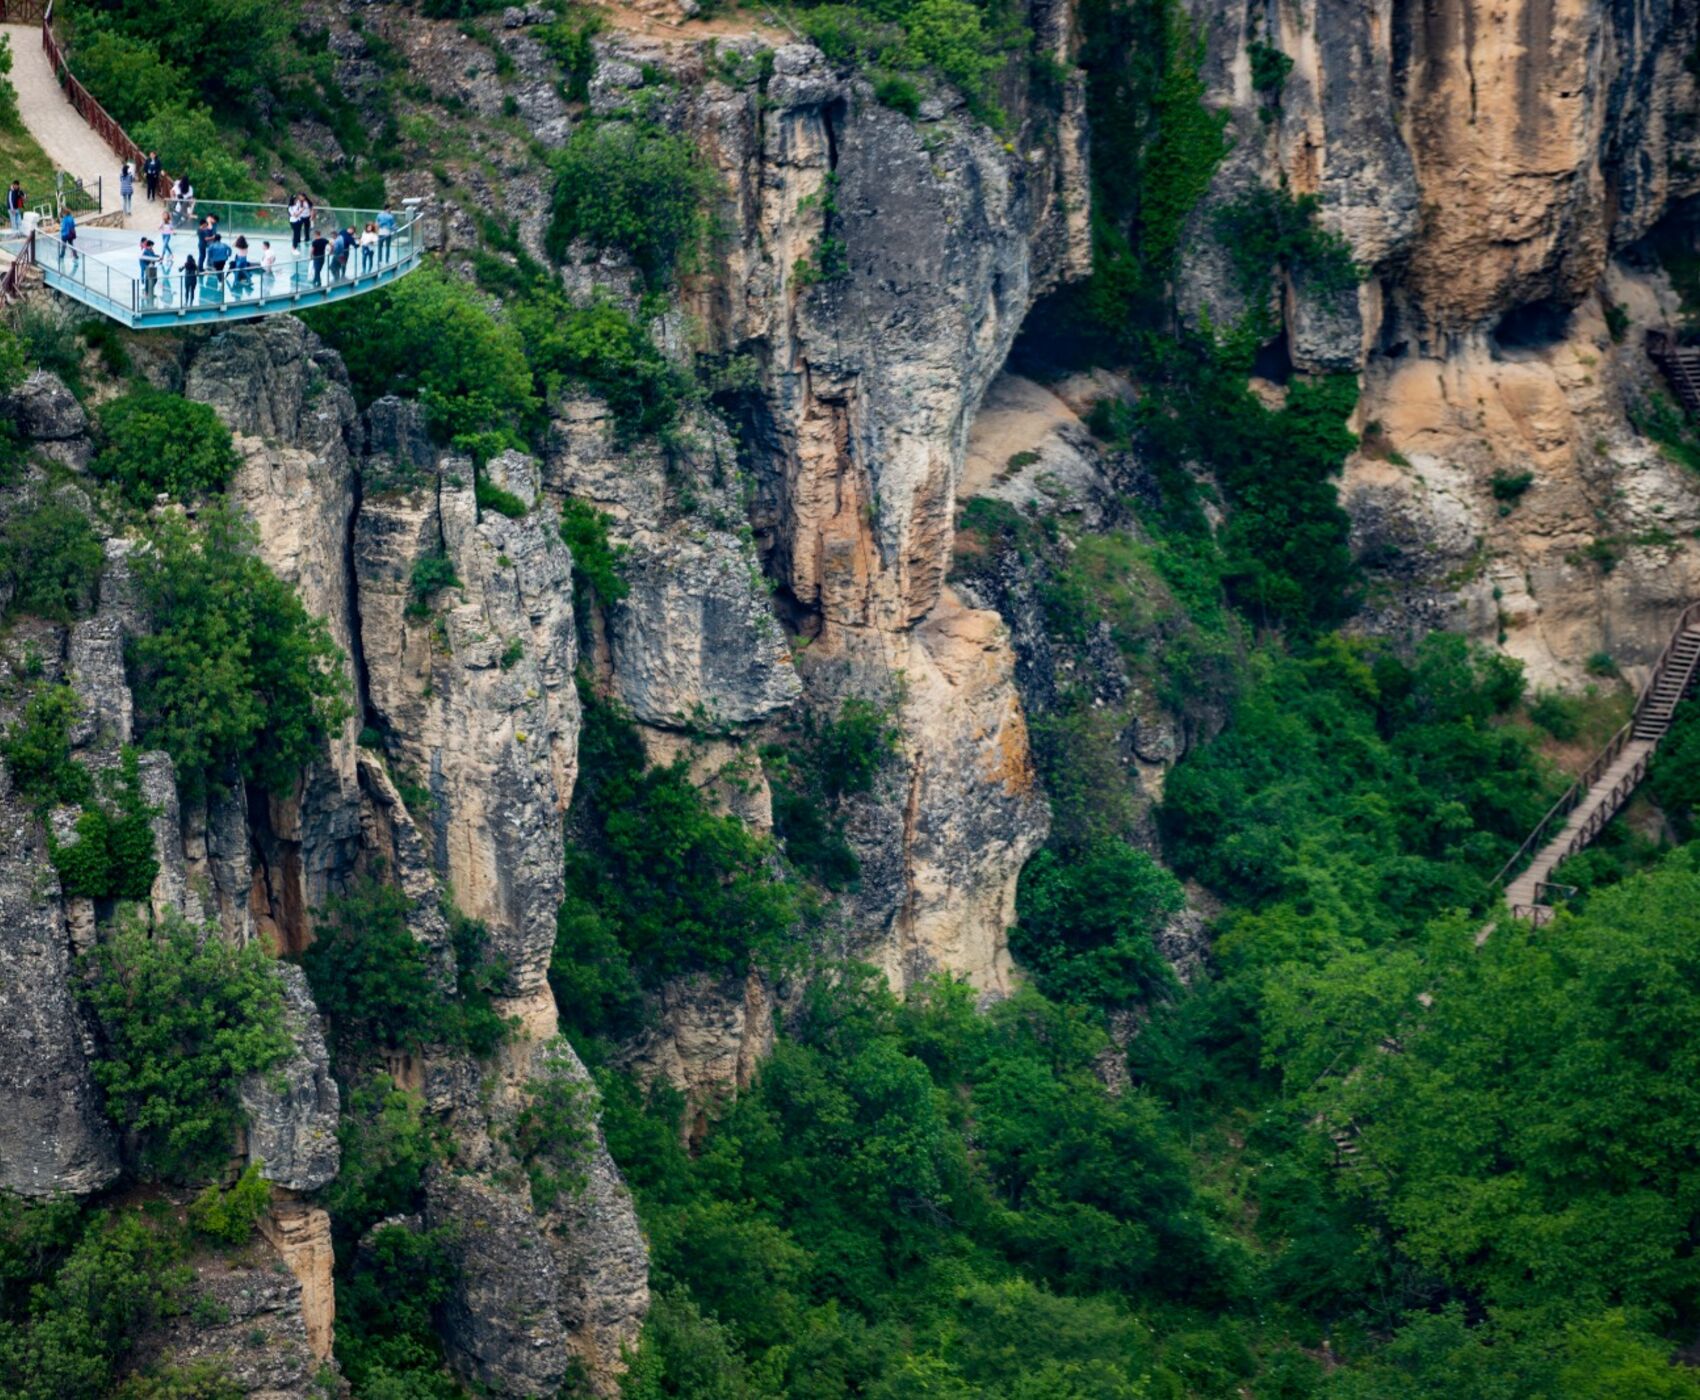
point(1058, 337)
point(1535, 325)
point(1274, 360)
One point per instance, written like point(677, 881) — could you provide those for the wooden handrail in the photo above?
point(11, 286)
point(1602, 761)
point(98, 118)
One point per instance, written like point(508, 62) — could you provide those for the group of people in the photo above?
point(219, 263)
point(216, 266)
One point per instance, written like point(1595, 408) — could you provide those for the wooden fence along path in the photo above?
point(1606, 784)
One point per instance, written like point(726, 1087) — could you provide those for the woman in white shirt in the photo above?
point(368, 247)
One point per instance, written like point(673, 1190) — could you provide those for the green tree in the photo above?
point(153, 442)
point(37, 749)
point(189, 143)
point(442, 346)
point(113, 855)
point(383, 989)
point(128, 77)
point(661, 876)
point(603, 348)
point(635, 188)
point(387, 1141)
point(185, 1018)
point(50, 559)
point(97, 1289)
point(1528, 1141)
point(1675, 773)
point(235, 679)
point(1086, 921)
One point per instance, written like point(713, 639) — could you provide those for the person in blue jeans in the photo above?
point(15, 206)
point(386, 233)
point(127, 184)
point(150, 269)
point(217, 258)
point(68, 239)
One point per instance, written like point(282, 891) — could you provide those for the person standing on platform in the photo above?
point(127, 184)
point(151, 171)
point(15, 206)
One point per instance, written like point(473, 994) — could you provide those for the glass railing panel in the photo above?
point(109, 271)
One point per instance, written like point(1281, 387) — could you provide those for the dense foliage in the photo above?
point(236, 679)
point(658, 882)
point(607, 351)
point(837, 1235)
point(823, 762)
point(632, 187)
point(77, 1290)
point(185, 1018)
point(1086, 920)
point(111, 851)
point(597, 564)
point(440, 346)
point(152, 442)
point(383, 988)
point(50, 560)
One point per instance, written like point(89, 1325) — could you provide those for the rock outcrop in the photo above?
point(1476, 156)
point(472, 683)
point(287, 401)
point(292, 1107)
point(248, 1325)
point(54, 1138)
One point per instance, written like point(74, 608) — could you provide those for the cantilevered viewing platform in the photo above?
point(103, 269)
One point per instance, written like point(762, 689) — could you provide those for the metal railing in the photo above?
point(1597, 769)
point(129, 294)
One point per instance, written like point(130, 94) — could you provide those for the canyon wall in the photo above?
point(1495, 168)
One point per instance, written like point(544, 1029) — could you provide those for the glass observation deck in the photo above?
point(103, 269)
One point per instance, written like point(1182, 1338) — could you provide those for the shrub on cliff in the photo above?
point(51, 558)
point(440, 345)
point(609, 352)
point(113, 855)
point(185, 1018)
point(37, 749)
point(235, 679)
point(661, 884)
point(375, 980)
point(637, 189)
point(152, 442)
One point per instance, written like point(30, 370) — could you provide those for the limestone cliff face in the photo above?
point(473, 688)
point(1492, 164)
point(1478, 155)
point(947, 236)
point(286, 399)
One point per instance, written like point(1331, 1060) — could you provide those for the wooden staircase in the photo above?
point(1681, 367)
point(1606, 784)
